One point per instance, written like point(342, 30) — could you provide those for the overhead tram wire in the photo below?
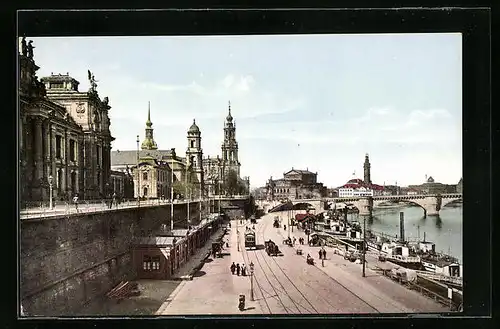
point(286, 292)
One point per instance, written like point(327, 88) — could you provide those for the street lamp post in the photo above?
point(364, 244)
point(50, 192)
point(172, 196)
point(138, 175)
point(251, 282)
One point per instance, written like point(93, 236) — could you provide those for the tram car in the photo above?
point(250, 242)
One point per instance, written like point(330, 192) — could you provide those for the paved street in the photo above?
point(287, 285)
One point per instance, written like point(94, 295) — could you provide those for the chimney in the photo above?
point(402, 226)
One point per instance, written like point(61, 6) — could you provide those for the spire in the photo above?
point(149, 143)
point(229, 117)
point(148, 122)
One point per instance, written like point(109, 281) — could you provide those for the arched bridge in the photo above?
point(430, 203)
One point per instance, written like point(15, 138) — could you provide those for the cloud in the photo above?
point(419, 117)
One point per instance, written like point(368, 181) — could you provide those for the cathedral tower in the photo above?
point(194, 152)
point(230, 146)
point(149, 143)
point(366, 168)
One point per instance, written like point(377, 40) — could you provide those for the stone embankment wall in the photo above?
point(66, 262)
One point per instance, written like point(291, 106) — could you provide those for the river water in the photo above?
point(445, 231)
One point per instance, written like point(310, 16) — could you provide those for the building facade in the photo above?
point(357, 187)
point(152, 179)
point(163, 167)
point(216, 169)
point(432, 187)
point(64, 135)
point(295, 184)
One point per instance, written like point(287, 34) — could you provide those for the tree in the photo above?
point(230, 184)
point(186, 189)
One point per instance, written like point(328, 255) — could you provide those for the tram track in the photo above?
point(322, 274)
point(276, 295)
point(260, 258)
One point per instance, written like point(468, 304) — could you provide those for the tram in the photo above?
point(250, 242)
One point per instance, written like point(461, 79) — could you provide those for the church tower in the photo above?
point(366, 167)
point(149, 143)
point(230, 146)
point(194, 152)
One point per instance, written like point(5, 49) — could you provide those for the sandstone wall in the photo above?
point(67, 261)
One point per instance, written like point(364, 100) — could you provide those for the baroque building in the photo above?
point(63, 135)
point(216, 169)
point(295, 184)
point(162, 167)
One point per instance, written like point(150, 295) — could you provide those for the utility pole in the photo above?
point(364, 244)
point(200, 203)
point(172, 196)
point(188, 195)
point(138, 176)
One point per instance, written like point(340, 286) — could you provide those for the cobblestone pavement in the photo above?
point(288, 285)
point(337, 285)
point(213, 290)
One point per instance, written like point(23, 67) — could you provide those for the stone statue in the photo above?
point(30, 49)
point(24, 47)
point(105, 100)
point(92, 80)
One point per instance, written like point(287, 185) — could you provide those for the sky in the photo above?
point(316, 102)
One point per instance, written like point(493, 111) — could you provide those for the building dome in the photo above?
point(430, 180)
point(229, 117)
point(194, 128)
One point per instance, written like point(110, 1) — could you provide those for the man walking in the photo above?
point(320, 253)
point(75, 201)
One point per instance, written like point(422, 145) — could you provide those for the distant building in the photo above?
point(357, 187)
point(295, 184)
point(432, 187)
point(206, 173)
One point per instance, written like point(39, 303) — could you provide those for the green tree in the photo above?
point(185, 189)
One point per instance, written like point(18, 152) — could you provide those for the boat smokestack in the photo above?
point(402, 226)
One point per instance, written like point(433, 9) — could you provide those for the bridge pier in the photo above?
point(365, 206)
point(431, 205)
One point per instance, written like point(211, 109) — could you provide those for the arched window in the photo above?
point(145, 175)
point(192, 143)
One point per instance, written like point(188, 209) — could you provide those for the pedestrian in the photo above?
point(238, 269)
point(294, 239)
point(75, 201)
point(324, 254)
point(114, 199)
point(243, 270)
point(233, 268)
point(320, 253)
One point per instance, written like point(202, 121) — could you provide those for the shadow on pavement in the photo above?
point(249, 308)
point(199, 273)
point(208, 260)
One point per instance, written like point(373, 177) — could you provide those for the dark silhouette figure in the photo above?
point(320, 254)
point(324, 254)
point(238, 269)
point(233, 268)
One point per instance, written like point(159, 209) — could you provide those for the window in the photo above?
point(155, 262)
point(98, 155)
point(58, 147)
point(72, 150)
point(145, 176)
point(57, 85)
point(192, 143)
point(146, 263)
